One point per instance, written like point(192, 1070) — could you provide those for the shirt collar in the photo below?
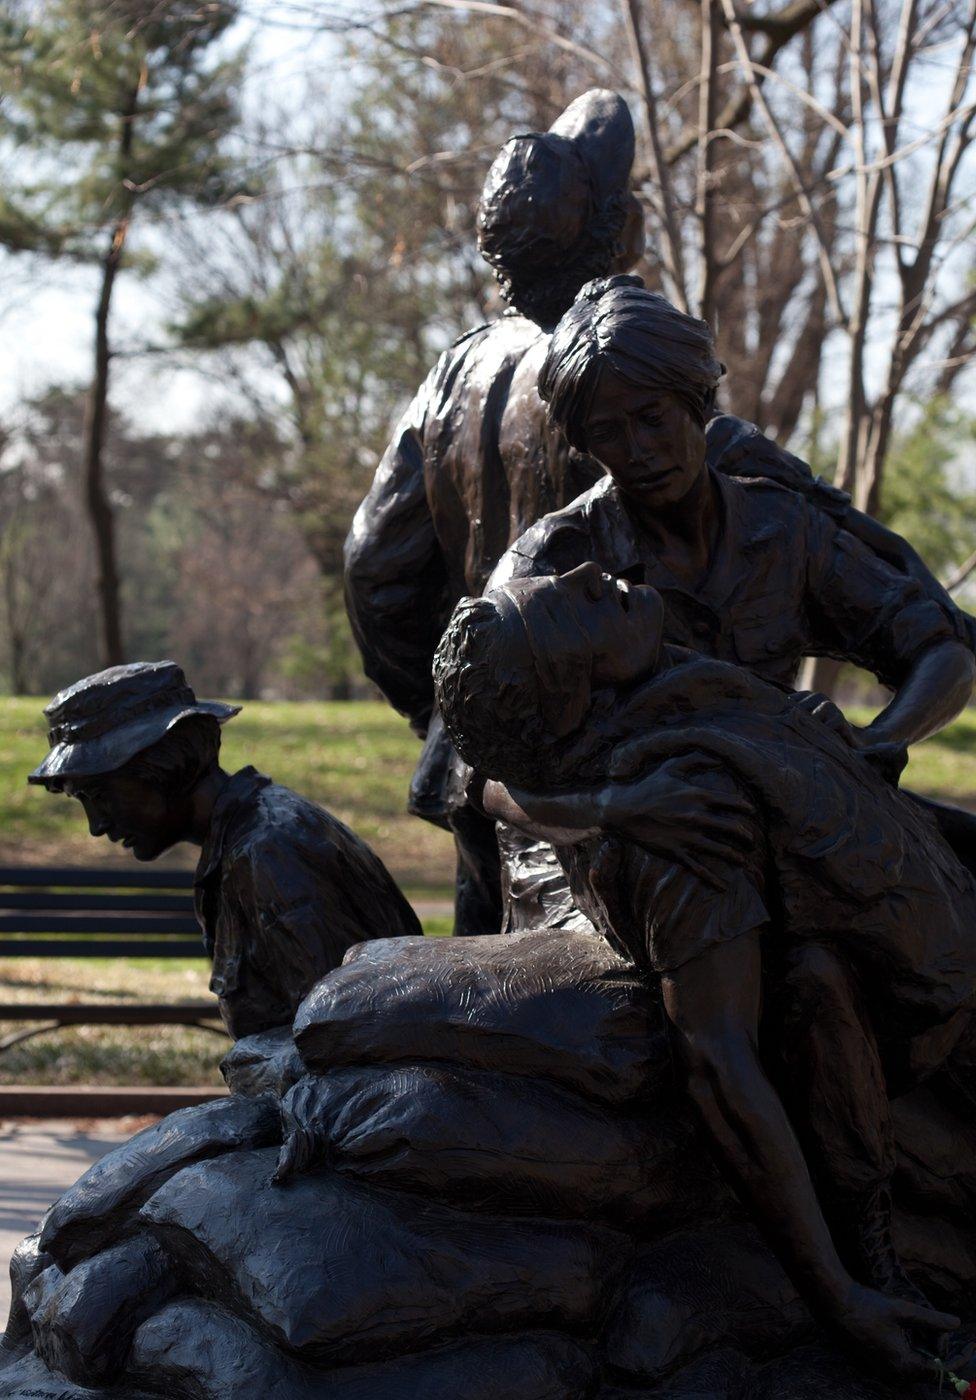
point(240, 788)
point(741, 531)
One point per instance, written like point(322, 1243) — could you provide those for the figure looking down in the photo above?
point(282, 888)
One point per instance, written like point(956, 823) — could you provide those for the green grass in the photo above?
point(109, 1054)
point(356, 759)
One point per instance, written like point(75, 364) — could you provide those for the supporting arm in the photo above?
point(938, 687)
point(665, 811)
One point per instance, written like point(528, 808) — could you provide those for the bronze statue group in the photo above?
point(687, 1106)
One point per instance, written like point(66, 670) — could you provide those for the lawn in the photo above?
point(354, 758)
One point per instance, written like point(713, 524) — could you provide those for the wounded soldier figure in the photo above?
point(821, 962)
point(282, 888)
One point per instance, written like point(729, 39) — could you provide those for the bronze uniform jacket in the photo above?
point(282, 891)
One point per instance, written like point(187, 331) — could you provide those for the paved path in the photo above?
point(39, 1160)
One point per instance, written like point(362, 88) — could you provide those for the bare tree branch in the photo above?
point(956, 580)
point(745, 62)
point(672, 251)
point(704, 173)
point(779, 33)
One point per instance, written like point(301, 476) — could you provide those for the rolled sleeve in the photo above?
point(863, 610)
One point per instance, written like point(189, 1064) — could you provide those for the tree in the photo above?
point(119, 110)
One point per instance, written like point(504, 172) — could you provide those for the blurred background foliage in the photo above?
point(274, 251)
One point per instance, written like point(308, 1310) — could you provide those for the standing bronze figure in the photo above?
point(473, 462)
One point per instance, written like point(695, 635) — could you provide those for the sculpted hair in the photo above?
point(617, 324)
point(494, 711)
point(545, 295)
point(178, 760)
point(490, 708)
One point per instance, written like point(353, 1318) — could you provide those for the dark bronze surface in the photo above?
point(715, 1142)
point(282, 888)
point(810, 926)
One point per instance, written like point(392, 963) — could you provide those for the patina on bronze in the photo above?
point(473, 462)
point(836, 882)
point(490, 1187)
point(750, 571)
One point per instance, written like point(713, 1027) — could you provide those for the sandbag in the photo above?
point(199, 1351)
point(28, 1378)
point(102, 1204)
point(545, 1003)
point(820, 1373)
point(262, 1064)
point(331, 1269)
point(499, 1142)
point(939, 1255)
point(936, 1147)
point(40, 1294)
point(86, 1324)
point(694, 1293)
point(720, 1375)
point(27, 1262)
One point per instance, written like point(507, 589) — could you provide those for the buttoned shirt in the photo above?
point(282, 891)
point(785, 581)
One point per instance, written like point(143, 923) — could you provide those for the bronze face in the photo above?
point(615, 627)
point(133, 811)
point(646, 439)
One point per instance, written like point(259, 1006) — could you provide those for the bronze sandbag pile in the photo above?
point(486, 1189)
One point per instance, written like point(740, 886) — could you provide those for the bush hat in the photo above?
point(544, 188)
point(99, 723)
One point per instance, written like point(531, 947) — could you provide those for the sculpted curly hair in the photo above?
point(489, 708)
point(501, 713)
point(545, 296)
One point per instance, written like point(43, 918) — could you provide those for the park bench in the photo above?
point(60, 912)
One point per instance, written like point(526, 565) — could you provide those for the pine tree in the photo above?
point(119, 110)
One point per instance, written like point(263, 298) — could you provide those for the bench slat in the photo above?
point(23, 876)
point(85, 903)
point(101, 948)
point(113, 1013)
point(81, 923)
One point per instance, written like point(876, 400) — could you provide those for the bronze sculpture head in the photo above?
point(520, 671)
point(133, 744)
point(556, 209)
point(632, 380)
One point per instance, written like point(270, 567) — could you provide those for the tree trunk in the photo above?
point(820, 673)
point(96, 496)
point(18, 669)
